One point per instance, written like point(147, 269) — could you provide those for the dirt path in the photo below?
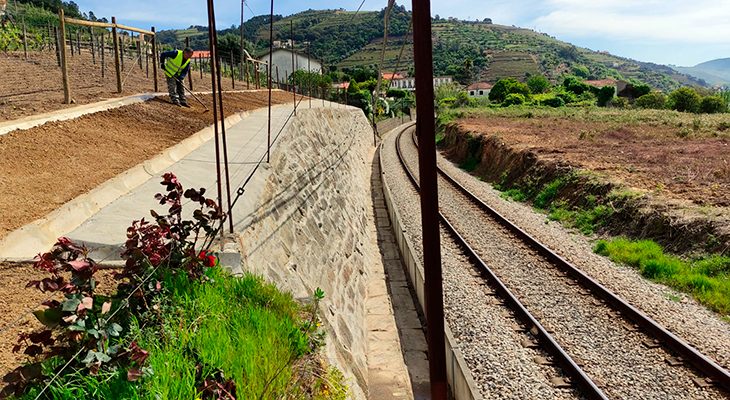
point(44, 167)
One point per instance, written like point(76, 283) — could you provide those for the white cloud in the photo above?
point(700, 21)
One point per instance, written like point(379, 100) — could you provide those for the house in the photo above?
point(391, 75)
point(409, 84)
point(619, 85)
point(202, 55)
point(281, 59)
point(480, 89)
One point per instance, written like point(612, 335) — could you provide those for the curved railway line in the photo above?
point(607, 348)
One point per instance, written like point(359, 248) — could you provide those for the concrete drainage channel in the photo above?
point(458, 374)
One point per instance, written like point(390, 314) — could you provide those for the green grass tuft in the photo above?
point(706, 279)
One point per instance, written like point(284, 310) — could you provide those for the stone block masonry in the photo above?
point(311, 227)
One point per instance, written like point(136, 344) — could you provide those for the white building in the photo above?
point(480, 89)
point(409, 84)
point(282, 58)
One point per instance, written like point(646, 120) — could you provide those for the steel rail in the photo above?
point(589, 389)
point(714, 371)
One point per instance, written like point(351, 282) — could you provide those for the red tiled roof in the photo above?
point(480, 85)
point(601, 83)
point(201, 54)
point(389, 76)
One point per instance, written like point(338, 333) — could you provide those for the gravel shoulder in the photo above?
point(502, 368)
point(686, 318)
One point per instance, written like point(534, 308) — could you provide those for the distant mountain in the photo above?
point(348, 40)
point(715, 72)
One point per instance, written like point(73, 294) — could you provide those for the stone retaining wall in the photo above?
point(309, 229)
point(388, 125)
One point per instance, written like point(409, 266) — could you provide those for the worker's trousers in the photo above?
point(177, 92)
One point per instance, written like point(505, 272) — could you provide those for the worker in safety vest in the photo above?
point(176, 65)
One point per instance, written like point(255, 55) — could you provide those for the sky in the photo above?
point(678, 32)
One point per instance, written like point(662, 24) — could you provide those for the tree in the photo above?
point(605, 94)
point(712, 105)
point(506, 86)
point(655, 101)
point(640, 89)
point(538, 84)
point(685, 99)
point(581, 70)
point(354, 87)
point(573, 84)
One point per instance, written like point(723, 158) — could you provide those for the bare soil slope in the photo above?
point(35, 86)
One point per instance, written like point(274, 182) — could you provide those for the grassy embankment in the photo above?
point(228, 327)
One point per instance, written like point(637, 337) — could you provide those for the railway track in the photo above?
point(589, 307)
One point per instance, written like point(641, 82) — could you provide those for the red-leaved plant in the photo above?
point(90, 324)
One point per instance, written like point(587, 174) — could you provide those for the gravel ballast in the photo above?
point(613, 355)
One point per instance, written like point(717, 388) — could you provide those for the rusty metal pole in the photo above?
point(218, 59)
point(426, 128)
point(241, 53)
point(271, 57)
point(117, 67)
point(293, 68)
point(64, 65)
point(154, 58)
point(211, 40)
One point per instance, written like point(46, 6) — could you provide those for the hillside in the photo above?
point(715, 72)
point(349, 40)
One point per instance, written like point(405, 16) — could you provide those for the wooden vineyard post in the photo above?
point(91, 40)
point(248, 76)
point(121, 51)
point(70, 42)
point(139, 50)
point(25, 41)
point(190, 76)
point(278, 83)
point(64, 65)
point(78, 43)
point(233, 72)
point(147, 57)
point(117, 67)
point(103, 50)
point(154, 58)
point(200, 66)
point(58, 46)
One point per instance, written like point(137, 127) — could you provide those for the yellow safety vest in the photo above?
point(174, 65)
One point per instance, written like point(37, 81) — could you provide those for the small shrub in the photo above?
point(685, 99)
point(549, 192)
point(538, 84)
point(712, 105)
point(506, 86)
point(605, 94)
point(654, 101)
point(513, 99)
point(554, 102)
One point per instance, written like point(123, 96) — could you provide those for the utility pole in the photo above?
point(426, 129)
point(293, 68)
point(271, 56)
point(242, 5)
